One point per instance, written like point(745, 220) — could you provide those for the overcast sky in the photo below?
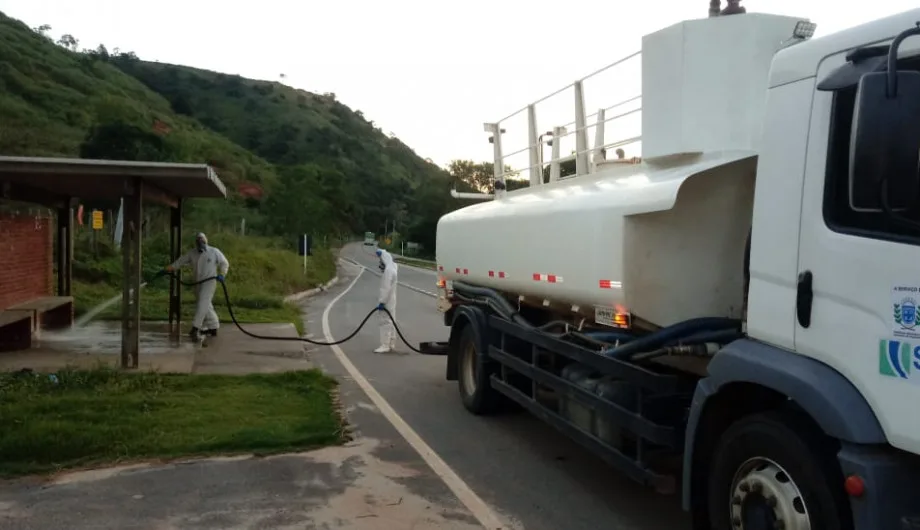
point(429, 72)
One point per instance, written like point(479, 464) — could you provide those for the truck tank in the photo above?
point(662, 240)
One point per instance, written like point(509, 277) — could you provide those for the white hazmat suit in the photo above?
point(207, 262)
point(387, 299)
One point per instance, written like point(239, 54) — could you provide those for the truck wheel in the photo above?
point(775, 471)
point(473, 376)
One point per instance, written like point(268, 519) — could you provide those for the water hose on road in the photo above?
point(300, 339)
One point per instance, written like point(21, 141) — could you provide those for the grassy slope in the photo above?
point(102, 416)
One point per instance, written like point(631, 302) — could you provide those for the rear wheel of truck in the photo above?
point(776, 471)
point(473, 376)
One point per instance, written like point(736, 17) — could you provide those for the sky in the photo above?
point(429, 72)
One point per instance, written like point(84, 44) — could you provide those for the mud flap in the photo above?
point(434, 348)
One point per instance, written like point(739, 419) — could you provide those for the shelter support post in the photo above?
point(64, 244)
point(175, 249)
point(131, 287)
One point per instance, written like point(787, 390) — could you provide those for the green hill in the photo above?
point(54, 102)
point(359, 177)
point(294, 161)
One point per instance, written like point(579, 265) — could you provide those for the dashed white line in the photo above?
point(480, 510)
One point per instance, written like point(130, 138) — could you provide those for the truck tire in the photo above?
point(473, 376)
point(774, 467)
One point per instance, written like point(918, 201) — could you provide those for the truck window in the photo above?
point(837, 212)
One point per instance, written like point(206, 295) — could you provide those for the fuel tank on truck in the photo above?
point(663, 239)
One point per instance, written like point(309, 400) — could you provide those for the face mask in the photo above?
point(382, 266)
point(201, 245)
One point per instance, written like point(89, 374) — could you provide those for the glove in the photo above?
point(220, 278)
point(168, 268)
point(381, 307)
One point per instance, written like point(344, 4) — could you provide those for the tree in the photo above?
point(566, 169)
point(42, 30)
point(68, 41)
point(123, 141)
point(516, 184)
point(296, 207)
point(478, 176)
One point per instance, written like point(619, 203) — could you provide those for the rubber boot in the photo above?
point(194, 334)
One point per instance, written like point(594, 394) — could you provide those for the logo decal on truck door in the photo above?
point(900, 359)
point(906, 321)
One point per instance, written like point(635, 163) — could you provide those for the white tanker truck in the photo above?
point(735, 315)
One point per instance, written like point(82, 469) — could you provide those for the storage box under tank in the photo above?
point(573, 410)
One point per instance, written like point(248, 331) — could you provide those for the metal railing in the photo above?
point(536, 142)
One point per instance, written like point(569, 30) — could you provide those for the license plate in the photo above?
point(604, 316)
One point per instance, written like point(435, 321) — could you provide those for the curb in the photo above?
point(296, 297)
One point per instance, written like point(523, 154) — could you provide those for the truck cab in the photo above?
point(832, 279)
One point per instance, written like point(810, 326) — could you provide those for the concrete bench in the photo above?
point(48, 312)
point(15, 330)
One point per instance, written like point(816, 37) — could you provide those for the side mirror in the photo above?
point(885, 139)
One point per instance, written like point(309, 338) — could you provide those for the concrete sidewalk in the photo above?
point(354, 487)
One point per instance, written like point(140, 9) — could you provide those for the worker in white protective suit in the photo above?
point(387, 299)
point(207, 262)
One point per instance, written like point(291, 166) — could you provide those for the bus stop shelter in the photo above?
point(56, 183)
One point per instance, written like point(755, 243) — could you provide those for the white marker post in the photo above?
point(303, 246)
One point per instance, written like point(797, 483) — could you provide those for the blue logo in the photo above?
point(898, 358)
point(905, 313)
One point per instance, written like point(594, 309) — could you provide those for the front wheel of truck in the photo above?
point(776, 471)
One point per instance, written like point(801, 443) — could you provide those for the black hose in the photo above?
point(656, 340)
point(301, 339)
point(494, 300)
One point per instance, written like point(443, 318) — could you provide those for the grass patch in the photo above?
point(262, 272)
point(422, 264)
point(105, 416)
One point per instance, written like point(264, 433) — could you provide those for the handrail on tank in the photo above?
point(611, 145)
point(537, 142)
point(586, 127)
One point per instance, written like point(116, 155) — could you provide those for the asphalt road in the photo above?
point(529, 474)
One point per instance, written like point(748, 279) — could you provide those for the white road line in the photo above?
point(480, 510)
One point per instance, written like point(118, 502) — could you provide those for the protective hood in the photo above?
point(387, 260)
point(201, 241)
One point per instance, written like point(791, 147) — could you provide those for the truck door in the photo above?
point(858, 281)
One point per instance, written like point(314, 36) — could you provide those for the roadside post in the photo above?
point(304, 248)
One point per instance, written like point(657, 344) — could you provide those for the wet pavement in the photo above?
point(99, 342)
point(104, 338)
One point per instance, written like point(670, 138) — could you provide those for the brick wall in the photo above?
point(26, 257)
